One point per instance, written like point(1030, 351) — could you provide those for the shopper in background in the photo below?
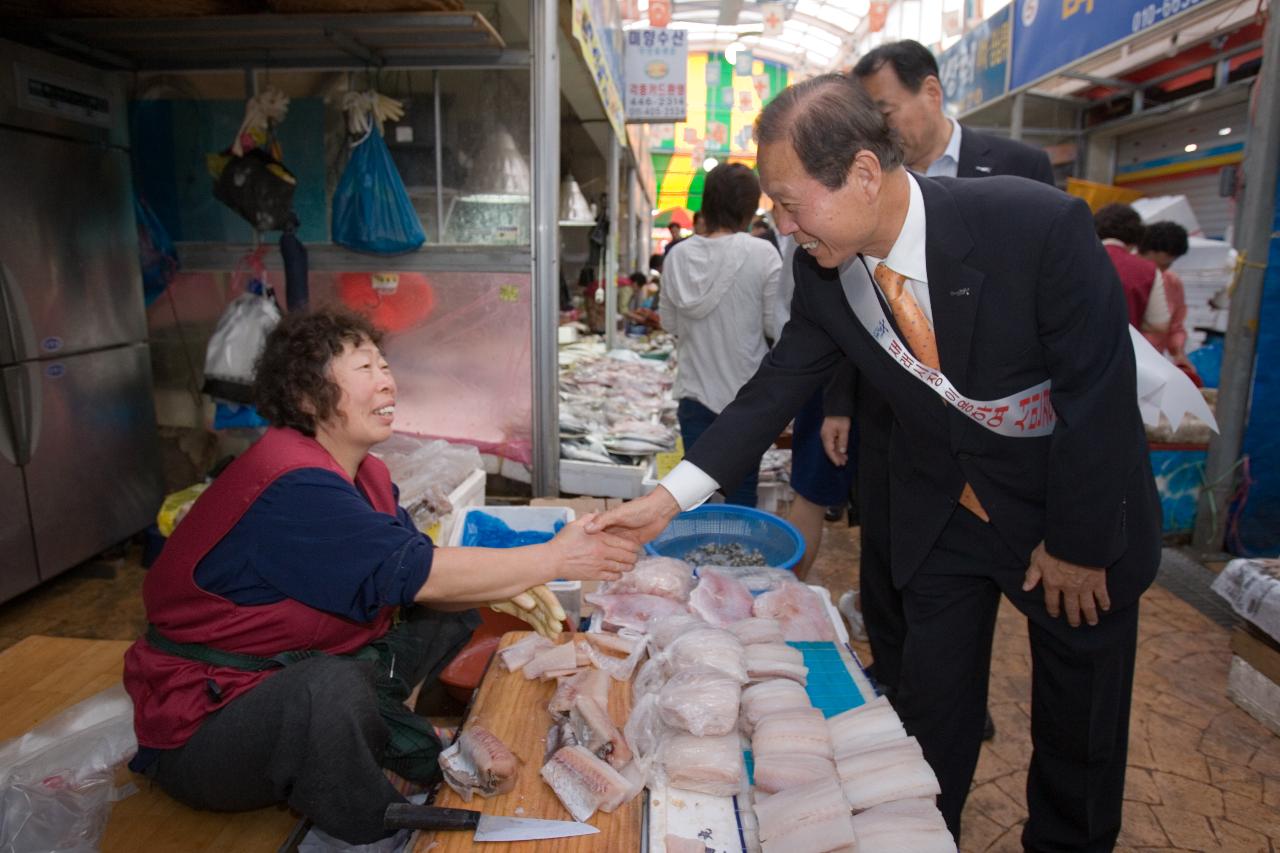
point(1163, 243)
point(1120, 228)
point(296, 607)
point(677, 237)
point(719, 299)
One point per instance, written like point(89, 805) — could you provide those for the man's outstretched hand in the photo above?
point(639, 520)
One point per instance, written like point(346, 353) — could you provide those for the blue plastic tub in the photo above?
point(722, 524)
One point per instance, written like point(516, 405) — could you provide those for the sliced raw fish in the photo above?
point(719, 598)
point(664, 576)
point(756, 629)
point(619, 669)
point(583, 782)
point(479, 763)
point(596, 731)
point(775, 660)
point(802, 614)
point(589, 682)
point(519, 653)
point(865, 727)
point(557, 659)
point(798, 732)
point(833, 834)
point(771, 697)
point(700, 701)
point(708, 648)
point(710, 765)
point(779, 771)
point(896, 771)
point(785, 812)
point(635, 610)
point(664, 632)
point(914, 824)
point(623, 644)
point(681, 844)
point(560, 735)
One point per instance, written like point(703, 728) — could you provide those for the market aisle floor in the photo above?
point(1203, 775)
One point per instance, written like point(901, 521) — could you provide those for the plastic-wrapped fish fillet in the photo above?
point(865, 727)
point(584, 783)
point(813, 818)
point(649, 679)
point(779, 771)
point(914, 824)
point(708, 648)
point(479, 763)
point(775, 660)
point(664, 576)
point(895, 771)
point(720, 599)
point(798, 732)
point(596, 731)
point(710, 765)
point(799, 609)
point(635, 611)
point(775, 696)
point(645, 733)
point(663, 632)
point(755, 629)
point(620, 669)
point(700, 701)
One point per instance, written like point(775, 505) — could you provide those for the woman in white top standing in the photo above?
point(719, 295)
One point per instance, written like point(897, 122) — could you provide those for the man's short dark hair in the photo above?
point(655, 261)
point(828, 119)
point(291, 386)
point(730, 197)
point(1118, 221)
point(1167, 237)
point(671, 225)
point(912, 62)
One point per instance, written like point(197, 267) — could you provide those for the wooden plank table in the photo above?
point(515, 709)
point(42, 676)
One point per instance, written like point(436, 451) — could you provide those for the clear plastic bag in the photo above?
point(57, 782)
point(237, 341)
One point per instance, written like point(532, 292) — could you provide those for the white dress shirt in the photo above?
point(948, 165)
point(689, 484)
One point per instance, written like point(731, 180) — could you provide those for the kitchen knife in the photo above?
point(487, 827)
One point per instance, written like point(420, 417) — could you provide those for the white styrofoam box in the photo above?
point(470, 492)
point(772, 495)
point(1258, 695)
point(1168, 208)
point(517, 518)
point(594, 479)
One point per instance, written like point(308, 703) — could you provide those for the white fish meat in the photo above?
point(720, 599)
point(681, 844)
point(914, 824)
point(663, 632)
point(709, 765)
point(865, 727)
point(589, 682)
point(635, 611)
point(623, 644)
point(619, 669)
point(779, 771)
point(755, 629)
point(650, 678)
point(557, 659)
point(798, 732)
point(479, 763)
point(519, 653)
point(560, 735)
point(596, 731)
point(896, 771)
point(813, 818)
point(709, 648)
point(771, 697)
point(584, 783)
point(775, 660)
point(700, 701)
point(664, 576)
point(802, 614)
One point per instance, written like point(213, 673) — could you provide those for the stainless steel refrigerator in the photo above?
point(79, 454)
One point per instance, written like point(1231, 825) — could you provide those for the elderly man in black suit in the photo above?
point(902, 78)
point(969, 305)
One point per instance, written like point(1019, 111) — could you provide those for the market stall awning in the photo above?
point(676, 215)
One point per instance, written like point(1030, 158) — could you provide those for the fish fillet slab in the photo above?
point(584, 783)
point(478, 762)
point(829, 835)
point(897, 771)
point(914, 824)
point(802, 614)
point(771, 697)
point(720, 598)
point(635, 610)
point(708, 648)
point(756, 629)
point(775, 660)
point(663, 576)
point(596, 731)
point(799, 732)
point(778, 772)
point(700, 701)
point(816, 802)
point(710, 765)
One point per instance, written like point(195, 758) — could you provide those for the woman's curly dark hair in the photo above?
point(292, 387)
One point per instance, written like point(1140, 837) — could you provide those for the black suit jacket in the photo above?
point(983, 155)
point(1021, 291)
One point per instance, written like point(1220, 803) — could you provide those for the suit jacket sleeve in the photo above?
point(1040, 169)
point(791, 372)
point(837, 396)
point(1097, 440)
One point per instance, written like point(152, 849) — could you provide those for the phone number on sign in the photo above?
point(1153, 12)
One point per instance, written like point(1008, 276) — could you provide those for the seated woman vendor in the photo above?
point(296, 606)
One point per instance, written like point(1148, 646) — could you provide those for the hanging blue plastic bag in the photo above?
point(371, 209)
point(156, 255)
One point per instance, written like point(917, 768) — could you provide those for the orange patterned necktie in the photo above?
point(919, 336)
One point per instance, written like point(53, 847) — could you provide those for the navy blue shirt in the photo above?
point(314, 537)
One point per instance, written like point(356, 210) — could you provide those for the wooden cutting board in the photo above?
point(515, 709)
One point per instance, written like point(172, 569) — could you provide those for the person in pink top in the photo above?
point(1163, 243)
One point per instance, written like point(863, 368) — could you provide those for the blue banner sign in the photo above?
point(1051, 34)
point(974, 69)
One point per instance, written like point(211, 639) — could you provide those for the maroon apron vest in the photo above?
point(170, 694)
point(1138, 276)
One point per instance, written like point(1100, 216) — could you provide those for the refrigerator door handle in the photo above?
point(20, 409)
point(15, 321)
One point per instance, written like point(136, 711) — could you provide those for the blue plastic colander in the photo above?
point(723, 524)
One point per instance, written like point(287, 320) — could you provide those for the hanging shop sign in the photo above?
point(974, 69)
point(598, 32)
point(1051, 34)
point(656, 65)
